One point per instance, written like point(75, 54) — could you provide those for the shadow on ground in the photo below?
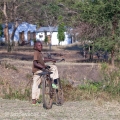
point(16, 56)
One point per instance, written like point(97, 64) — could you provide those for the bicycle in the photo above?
point(48, 92)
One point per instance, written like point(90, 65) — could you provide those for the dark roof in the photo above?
point(47, 29)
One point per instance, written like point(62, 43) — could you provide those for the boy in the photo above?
point(38, 67)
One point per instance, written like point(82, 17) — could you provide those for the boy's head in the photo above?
point(38, 45)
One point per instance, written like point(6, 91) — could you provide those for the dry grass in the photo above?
point(76, 94)
point(16, 76)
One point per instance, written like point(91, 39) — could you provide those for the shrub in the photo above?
point(111, 79)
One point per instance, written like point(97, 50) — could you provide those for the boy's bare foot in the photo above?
point(33, 101)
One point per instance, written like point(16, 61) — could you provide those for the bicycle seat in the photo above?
point(45, 73)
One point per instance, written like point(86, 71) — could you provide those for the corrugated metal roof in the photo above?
point(47, 29)
point(10, 25)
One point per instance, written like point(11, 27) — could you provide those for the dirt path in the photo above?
point(83, 110)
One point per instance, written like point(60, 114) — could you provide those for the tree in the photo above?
point(51, 13)
point(9, 10)
point(16, 11)
point(103, 16)
point(61, 30)
point(1, 30)
point(46, 37)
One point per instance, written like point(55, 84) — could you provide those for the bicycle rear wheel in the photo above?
point(59, 94)
point(47, 92)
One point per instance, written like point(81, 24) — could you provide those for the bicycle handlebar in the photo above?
point(58, 60)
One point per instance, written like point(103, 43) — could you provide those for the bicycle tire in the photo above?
point(47, 92)
point(59, 94)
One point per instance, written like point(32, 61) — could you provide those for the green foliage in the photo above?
point(104, 67)
point(99, 11)
point(91, 86)
point(17, 94)
point(111, 80)
point(9, 92)
point(61, 30)
point(46, 39)
point(50, 13)
point(104, 20)
point(109, 85)
point(53, 9)
point(114, 90)
point(1, 30)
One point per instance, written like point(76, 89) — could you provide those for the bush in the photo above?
point(111, 79)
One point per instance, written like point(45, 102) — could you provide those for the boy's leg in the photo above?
point(54, 75)
point(35, 88)
point(38, 90)
point(56, 81)
point(54, 69)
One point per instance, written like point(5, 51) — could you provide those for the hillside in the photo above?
point(15, 74)
point(15, 67)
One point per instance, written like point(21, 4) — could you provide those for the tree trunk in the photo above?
point(50, 45)
point(13, 33)
point(7, 39)
point(114, 27)
point(112, 58)
point(6, 31)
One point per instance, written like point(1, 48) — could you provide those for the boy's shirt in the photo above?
point(39, 57)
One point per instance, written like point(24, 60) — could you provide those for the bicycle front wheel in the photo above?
point(59, 94)
point(47, 92)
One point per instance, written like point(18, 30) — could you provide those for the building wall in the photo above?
point(54, 40)
point(24, 27)
point(40, 36)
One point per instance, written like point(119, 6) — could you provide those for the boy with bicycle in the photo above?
point(38, 67)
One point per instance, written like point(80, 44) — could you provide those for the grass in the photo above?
point(86, 91)
point(81, 92)
point(9, 66)
point(108, 89)
point(8, 92)
point(17, 94)
point(89, 91)
point(28, 76)
point(1, 81)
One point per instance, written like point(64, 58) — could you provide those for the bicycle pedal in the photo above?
point(54, 86)
point(59, 104)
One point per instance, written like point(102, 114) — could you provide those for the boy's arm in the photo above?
point(38, 65)
point(49, 60)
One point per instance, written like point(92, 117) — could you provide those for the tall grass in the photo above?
point(106, 89)
point(18, 94)
point(87, 91)
point(9, 66)
point(8, 92)
point(111, 79)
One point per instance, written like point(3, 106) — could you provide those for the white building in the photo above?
point(27, 32)
point(27, 29)
point(40, 35)
point(24, 31)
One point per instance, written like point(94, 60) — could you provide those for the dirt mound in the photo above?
point(15, 67)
